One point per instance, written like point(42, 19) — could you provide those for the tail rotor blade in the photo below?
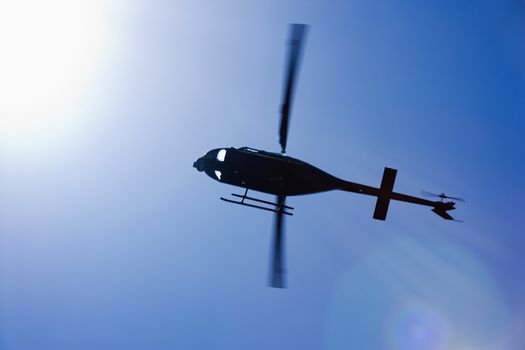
point(441, 195)
point(429, 194)
point(457, 199)
point(277, 271)
point(297, 35)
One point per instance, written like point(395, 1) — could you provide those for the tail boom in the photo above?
point(385, 194)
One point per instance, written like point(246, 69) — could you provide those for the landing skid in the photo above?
point(279, 207)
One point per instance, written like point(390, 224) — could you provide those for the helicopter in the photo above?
point(281, 175)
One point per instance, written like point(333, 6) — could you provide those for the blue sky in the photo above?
point(109, 239)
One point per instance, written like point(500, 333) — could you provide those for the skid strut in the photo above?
point(275, 207)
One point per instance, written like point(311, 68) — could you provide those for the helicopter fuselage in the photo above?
point(284, 176)
point(267, 172)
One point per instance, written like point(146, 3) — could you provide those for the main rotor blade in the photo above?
point(297, 35)
point(277, 277)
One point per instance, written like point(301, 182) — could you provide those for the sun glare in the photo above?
point(49, 50)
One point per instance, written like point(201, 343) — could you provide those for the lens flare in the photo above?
point(418, 294)
point(415, 325)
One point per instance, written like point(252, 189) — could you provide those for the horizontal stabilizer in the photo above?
point(385, 192)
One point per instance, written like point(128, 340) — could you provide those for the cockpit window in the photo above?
point(221, 155)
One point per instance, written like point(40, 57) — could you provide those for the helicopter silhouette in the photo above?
point(283, 176)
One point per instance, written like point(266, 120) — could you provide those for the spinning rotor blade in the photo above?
point(456, 199)
point(442, 195)
point(429, 194)
point(277, 277)
point(297, 35)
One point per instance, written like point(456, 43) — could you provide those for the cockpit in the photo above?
point(211, 162)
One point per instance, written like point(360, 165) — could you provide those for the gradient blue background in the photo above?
point(111, 240)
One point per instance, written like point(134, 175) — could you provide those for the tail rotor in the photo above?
point(441, 195)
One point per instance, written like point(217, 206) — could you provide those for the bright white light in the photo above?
point(218, 174)
point(221, 155)
point(49, 50)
